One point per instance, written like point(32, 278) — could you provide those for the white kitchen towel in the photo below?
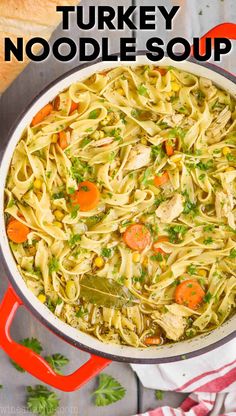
point(204, 376)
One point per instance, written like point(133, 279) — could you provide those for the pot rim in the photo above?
point(25, 299)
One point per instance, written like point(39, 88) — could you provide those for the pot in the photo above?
point(18, 294)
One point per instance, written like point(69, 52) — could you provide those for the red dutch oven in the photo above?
point(19, 295)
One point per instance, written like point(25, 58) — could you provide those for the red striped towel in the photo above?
point(211, 378)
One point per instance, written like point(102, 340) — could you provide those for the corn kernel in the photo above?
point(136, 257)
point(145, 261)
point(58, 214)
point(37, 184)
point(175, 87)
point(229, 169)
point(169, 93)
point(143, 140)
point(57, 224)
point(95, 135)
point(226, 150)
point(120, 91)
point(202, 272)
point(42, 298)
point(101, 134)
point(99, 262)
point(54, 138)
point(70, 289)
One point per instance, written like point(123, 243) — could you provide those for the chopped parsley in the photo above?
point(71, 190)
point(106, 252)
point(232, 254)
point(208, 240)
point(190, 207)
point(93, 114)
point(85, 141)
point(81, 312)
point(177, 133)
point(58, 195)
point(176, 233)
point(157, 257)
point(74, 239)
point(207, 297)
point(142, 90)
point(205, 165)
point(191, 269)
point(209, 228)
point(156, 151)
point(53, 265)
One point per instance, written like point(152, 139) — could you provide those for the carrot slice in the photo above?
point(73, 107)
point(137, 237)
point(170, 147)
point(40, 116)
point(87, 196)
point(189, 293)
point(155, 340)
point(63, 140)
point(162, 71)
point(162, 179)
point(17, 232)
point(155, 247)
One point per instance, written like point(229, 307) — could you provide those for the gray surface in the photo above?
point(34, 78)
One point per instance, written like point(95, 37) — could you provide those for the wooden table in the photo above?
point(195, 18)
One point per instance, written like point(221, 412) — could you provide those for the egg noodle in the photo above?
point(157, 148)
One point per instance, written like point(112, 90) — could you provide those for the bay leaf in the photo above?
point(105, 292)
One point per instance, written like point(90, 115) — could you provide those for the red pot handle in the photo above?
point(34, 363)
point(224, 30)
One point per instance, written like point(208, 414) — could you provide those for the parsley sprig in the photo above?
point(109, 391)
point(57, 361)
point(41, 401)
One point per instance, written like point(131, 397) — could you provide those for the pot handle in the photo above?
point(224, 30)
point(34, 363)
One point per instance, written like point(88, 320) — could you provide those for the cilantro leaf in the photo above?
point(109, 391)
point(56, 361)
point(31, 343)
point(41, 401)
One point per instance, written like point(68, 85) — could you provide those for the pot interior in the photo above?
point(165, 353)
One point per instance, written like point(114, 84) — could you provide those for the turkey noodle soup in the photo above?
point(120, 205)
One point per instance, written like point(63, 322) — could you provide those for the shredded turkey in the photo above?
point(224, 204)
point(173, 325)
point(171, 209)
point(139, 157)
